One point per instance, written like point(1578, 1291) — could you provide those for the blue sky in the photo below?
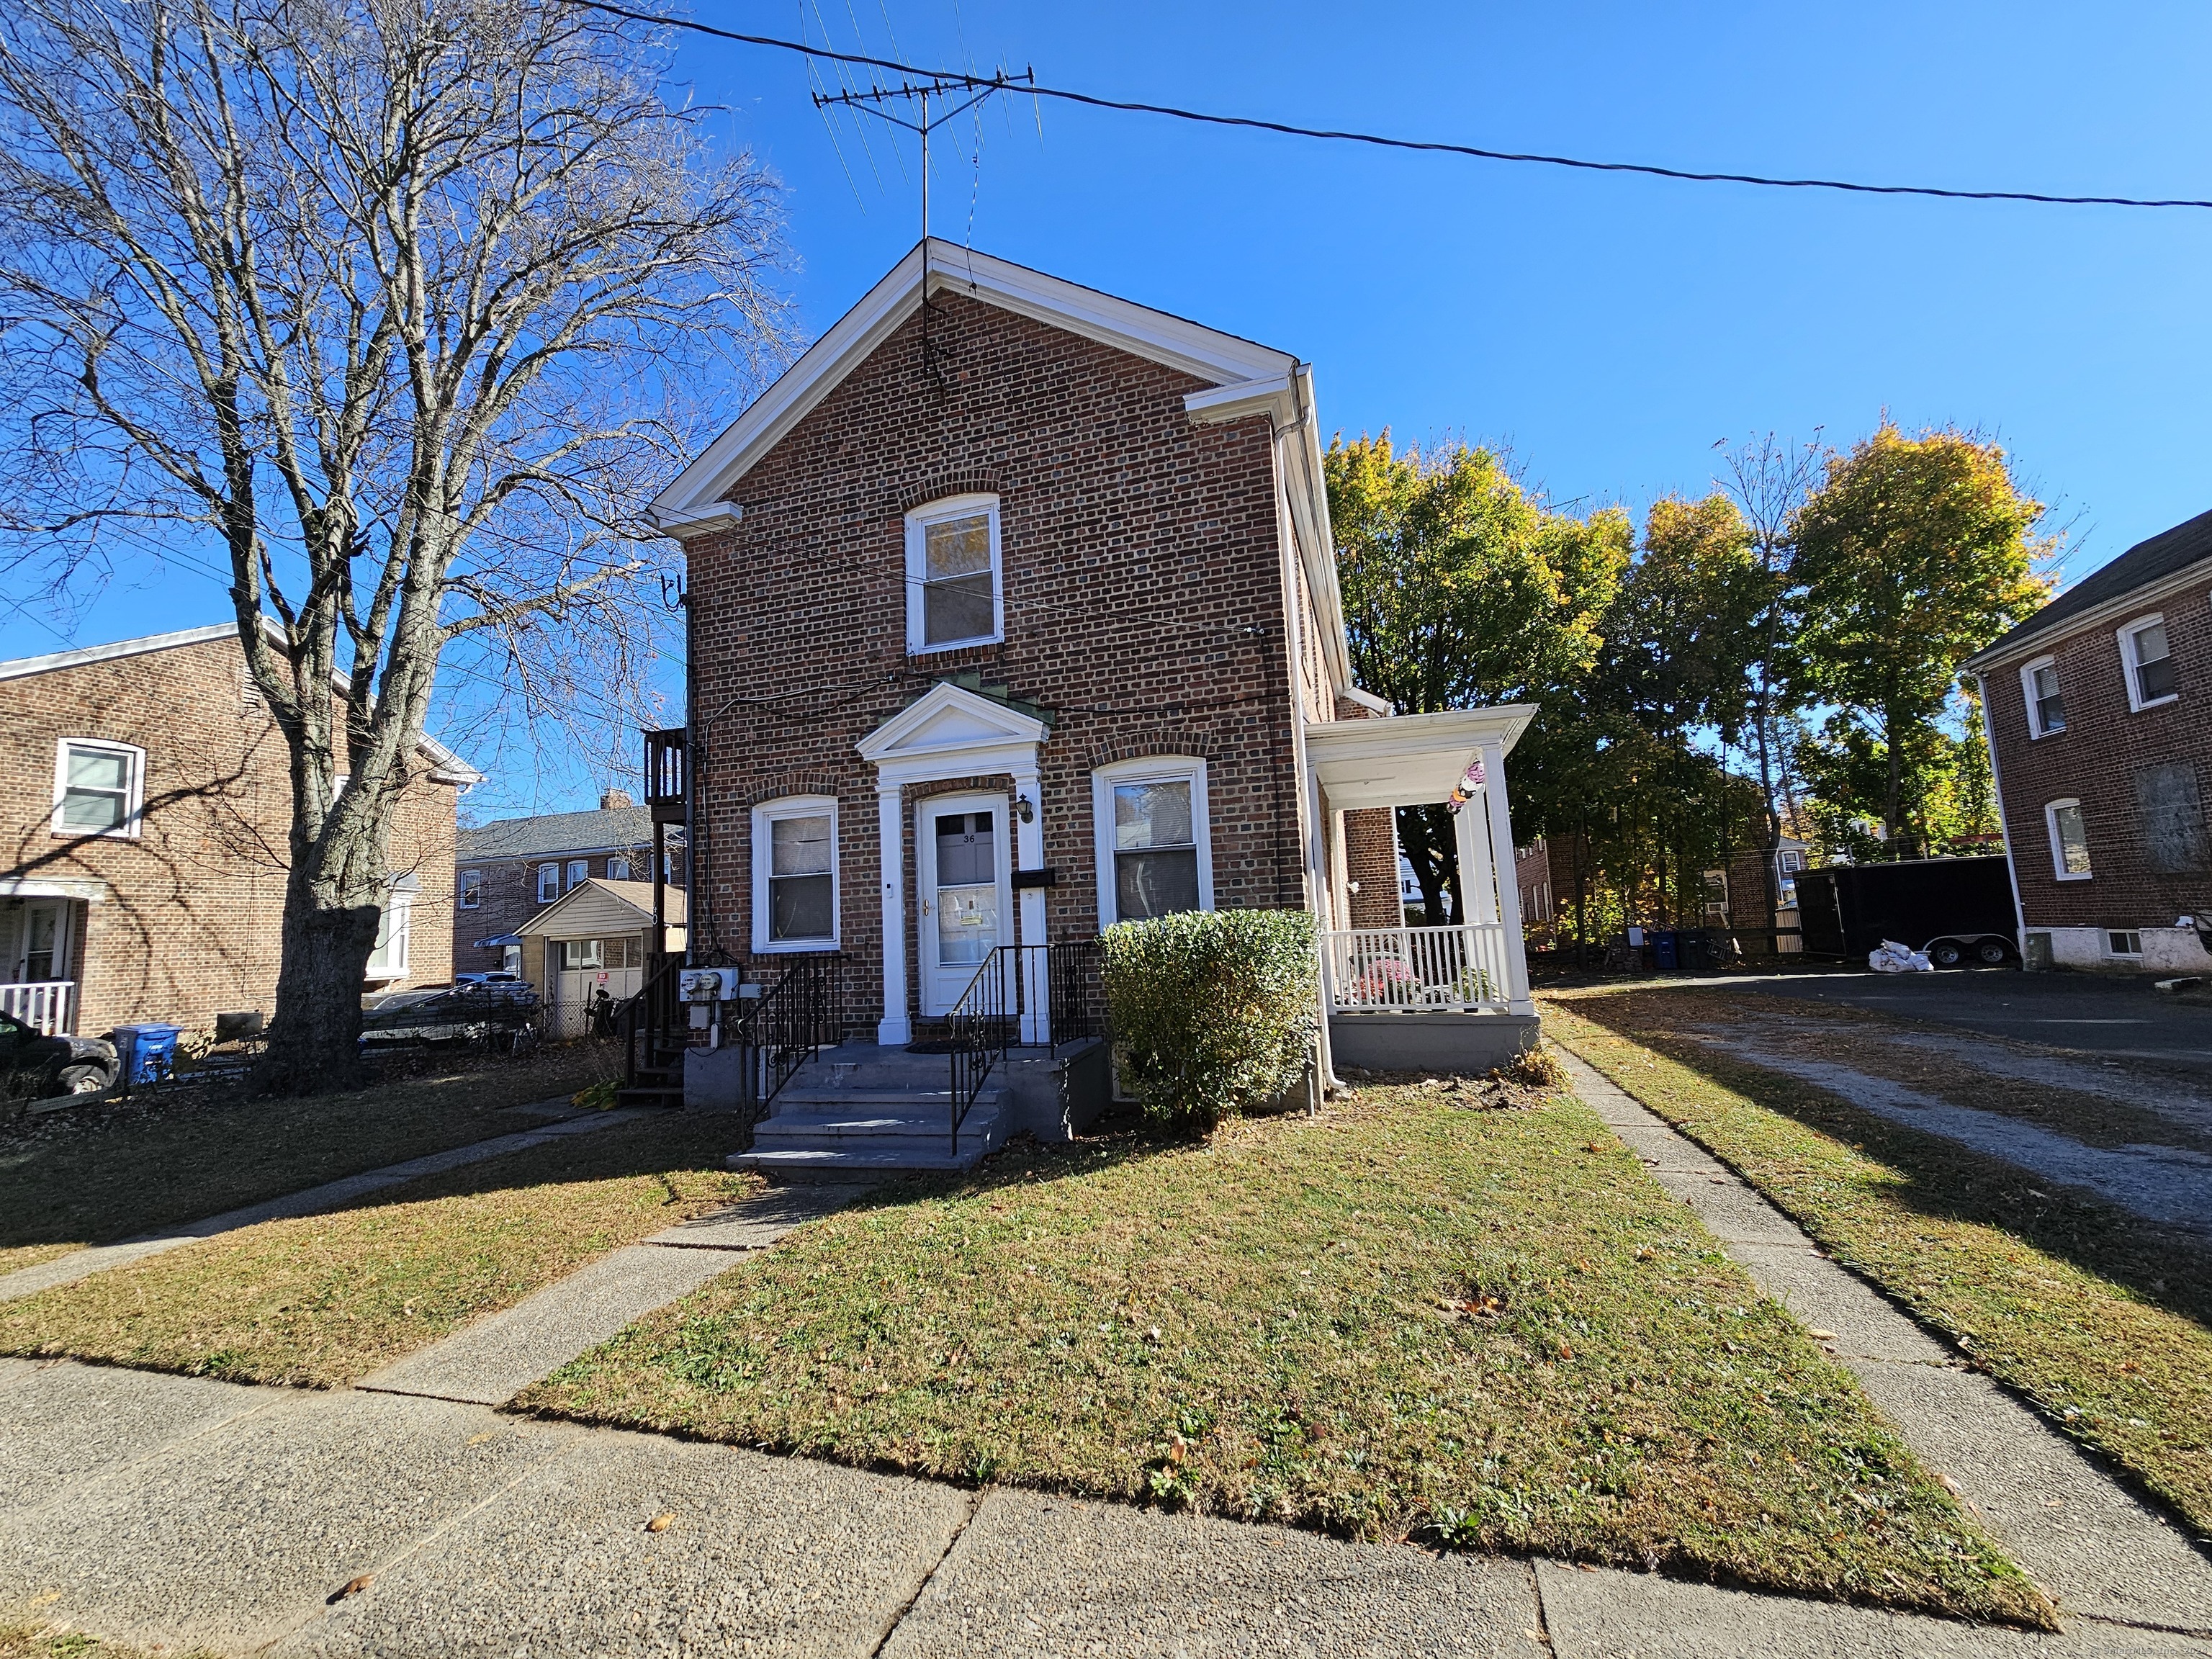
point(1608, 329)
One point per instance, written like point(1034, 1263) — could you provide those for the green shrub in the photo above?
point(1212, 1011)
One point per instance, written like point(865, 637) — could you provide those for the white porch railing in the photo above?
point(1462, 969)
point(46, 1006)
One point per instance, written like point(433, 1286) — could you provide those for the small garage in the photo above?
point(596, 936)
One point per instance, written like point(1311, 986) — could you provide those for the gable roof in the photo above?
point(2147, 563)
point(593, 908)
point(1244, 379)
point(608, 830)
point(447, 766)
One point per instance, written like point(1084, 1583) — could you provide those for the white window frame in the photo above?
point(578, 872)
point(2126, 637)
point(544, 871)
point(2059, 847)
point(796, 806)
point(133, 798)
point(2033, 704)
point(618, 859)
point(2135, 934)
point(917, 537)
point(398, 909)
point(468, 889)
point(1151, 769)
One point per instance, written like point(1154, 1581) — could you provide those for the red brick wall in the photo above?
point(1371, 858)
point(2095, 760)
point(191, 925)
point(1143, 603)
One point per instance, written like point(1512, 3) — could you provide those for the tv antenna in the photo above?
point(961, 92)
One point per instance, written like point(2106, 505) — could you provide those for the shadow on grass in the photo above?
point(2166, 1267)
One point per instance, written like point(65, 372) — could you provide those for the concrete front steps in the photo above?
point(858, 1109)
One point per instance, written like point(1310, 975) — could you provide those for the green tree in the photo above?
point(1913, 553)
point(1462, 589)
point(1683, 630)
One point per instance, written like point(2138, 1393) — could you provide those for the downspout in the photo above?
point(2005, 823)
point(1295, 642)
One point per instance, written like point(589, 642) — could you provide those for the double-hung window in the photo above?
point(2149, 663)
point(795, 874)
point(471, 893)
point(2047, 709)
point(1155, 855)
point(579, 870)
point(548, 883)
point(97, 787)
point(617, 869)
point(2070, 841)
point(954, 593)
point(388, 959)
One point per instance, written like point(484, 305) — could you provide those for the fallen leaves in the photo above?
point(351, 1587)
point(662, 1522)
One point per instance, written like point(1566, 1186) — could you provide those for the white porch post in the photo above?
point(1029, 849)
point(1508, 887)
point(894, 1030)
point(1477, 882)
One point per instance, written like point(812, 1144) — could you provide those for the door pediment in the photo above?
point(949, 725)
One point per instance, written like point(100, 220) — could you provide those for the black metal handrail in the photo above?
point(784, 1027)
point(994, 1013)
point(655, 1012)
point(977, 1032)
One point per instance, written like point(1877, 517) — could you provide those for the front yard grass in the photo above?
point(2100, 1319)
point(321, 1301)
point(1482, 1328)
point(95, 1174)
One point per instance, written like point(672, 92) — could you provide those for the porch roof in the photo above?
point(1407, 760)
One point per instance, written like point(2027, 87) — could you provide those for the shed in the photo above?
point(597, 936)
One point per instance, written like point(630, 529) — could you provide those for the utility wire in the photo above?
point(1430, 146)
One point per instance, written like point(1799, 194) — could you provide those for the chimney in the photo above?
point(614, 798)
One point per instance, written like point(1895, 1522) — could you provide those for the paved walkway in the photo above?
point(80, 1264)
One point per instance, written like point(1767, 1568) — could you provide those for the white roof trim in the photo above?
point(1207, 354)
point(988, 724)
point(1407, 760)
point(447, 767)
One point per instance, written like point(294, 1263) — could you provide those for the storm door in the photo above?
point(967, 909)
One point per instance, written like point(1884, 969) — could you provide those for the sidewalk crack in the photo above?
point(891, 1629)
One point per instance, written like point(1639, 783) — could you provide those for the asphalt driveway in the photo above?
point(2124, 1018)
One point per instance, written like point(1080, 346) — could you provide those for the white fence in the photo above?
point(1459, 968)
point(44, 1005)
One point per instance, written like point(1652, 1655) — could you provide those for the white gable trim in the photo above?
point(696, 501)
point(949, 731)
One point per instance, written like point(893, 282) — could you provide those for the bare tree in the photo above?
point(389, 300)
point(1771, 481)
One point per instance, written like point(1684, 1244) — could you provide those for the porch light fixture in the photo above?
point(1024, 808)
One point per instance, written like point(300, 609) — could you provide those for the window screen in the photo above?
point(96, 789)
point(2050, 707)
point(957, 601)
point(800, 878)
point(2154, 675)
point(1155, 850)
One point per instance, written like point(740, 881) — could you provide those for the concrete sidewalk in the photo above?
point(172, 1511)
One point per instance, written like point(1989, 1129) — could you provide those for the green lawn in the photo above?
point(2102, 1320)
point(320, 1301)
point(1481, 1329)
point(93, 1175)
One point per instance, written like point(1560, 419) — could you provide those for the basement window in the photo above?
point(2127, 943)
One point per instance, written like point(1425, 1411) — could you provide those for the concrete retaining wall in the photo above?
point(1420, 1041)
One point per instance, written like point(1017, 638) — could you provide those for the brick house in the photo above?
point(2095, 710)
point(508, 871)
point(148, 803)
point(1014, 613)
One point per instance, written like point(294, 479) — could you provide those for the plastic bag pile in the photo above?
point(1891, 957)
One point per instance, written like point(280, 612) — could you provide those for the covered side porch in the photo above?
point(1452, 996)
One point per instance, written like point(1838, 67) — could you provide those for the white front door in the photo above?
point(966, 893)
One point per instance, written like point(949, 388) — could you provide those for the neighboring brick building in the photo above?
point(2097, 710)
point(509, 870)
point(148, 805)
point(1030, 579)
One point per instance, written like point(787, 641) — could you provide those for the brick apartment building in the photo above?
point(1013, 614)
point(148, 801)
point(2096, 709)
point(508, 871)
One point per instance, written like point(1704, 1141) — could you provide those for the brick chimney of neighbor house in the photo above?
point(614, 798)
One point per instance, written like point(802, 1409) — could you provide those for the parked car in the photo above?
point(501, 1013)
point(52, 1065)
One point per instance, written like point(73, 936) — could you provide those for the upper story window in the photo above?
point(795, 874)
point(1155, 853)
point(2070, 841)
point(2147, 662)
point(471, 890)
point(2047, 709)
point(579, 870)
point(954, 594)
point(98, 787)
point(548, 883)
point(617, 869)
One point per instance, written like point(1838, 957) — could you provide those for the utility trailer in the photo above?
point(1957, 910)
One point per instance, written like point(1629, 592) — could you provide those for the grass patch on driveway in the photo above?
point(1483, 1329)
point(2103, 1321)
point(95, 1174)
point(320, 1301)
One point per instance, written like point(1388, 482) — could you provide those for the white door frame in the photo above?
point(934, 1003)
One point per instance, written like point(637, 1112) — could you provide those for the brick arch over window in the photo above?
point(1189, 743)
point(951, 480)
point(799, 783)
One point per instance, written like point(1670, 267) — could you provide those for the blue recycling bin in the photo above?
point(147, 1053)
point(1667, 949)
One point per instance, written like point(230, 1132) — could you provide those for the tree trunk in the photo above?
point(314, 1040)
point(1582, 907)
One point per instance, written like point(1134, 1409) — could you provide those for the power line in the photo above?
point(1381, 140)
